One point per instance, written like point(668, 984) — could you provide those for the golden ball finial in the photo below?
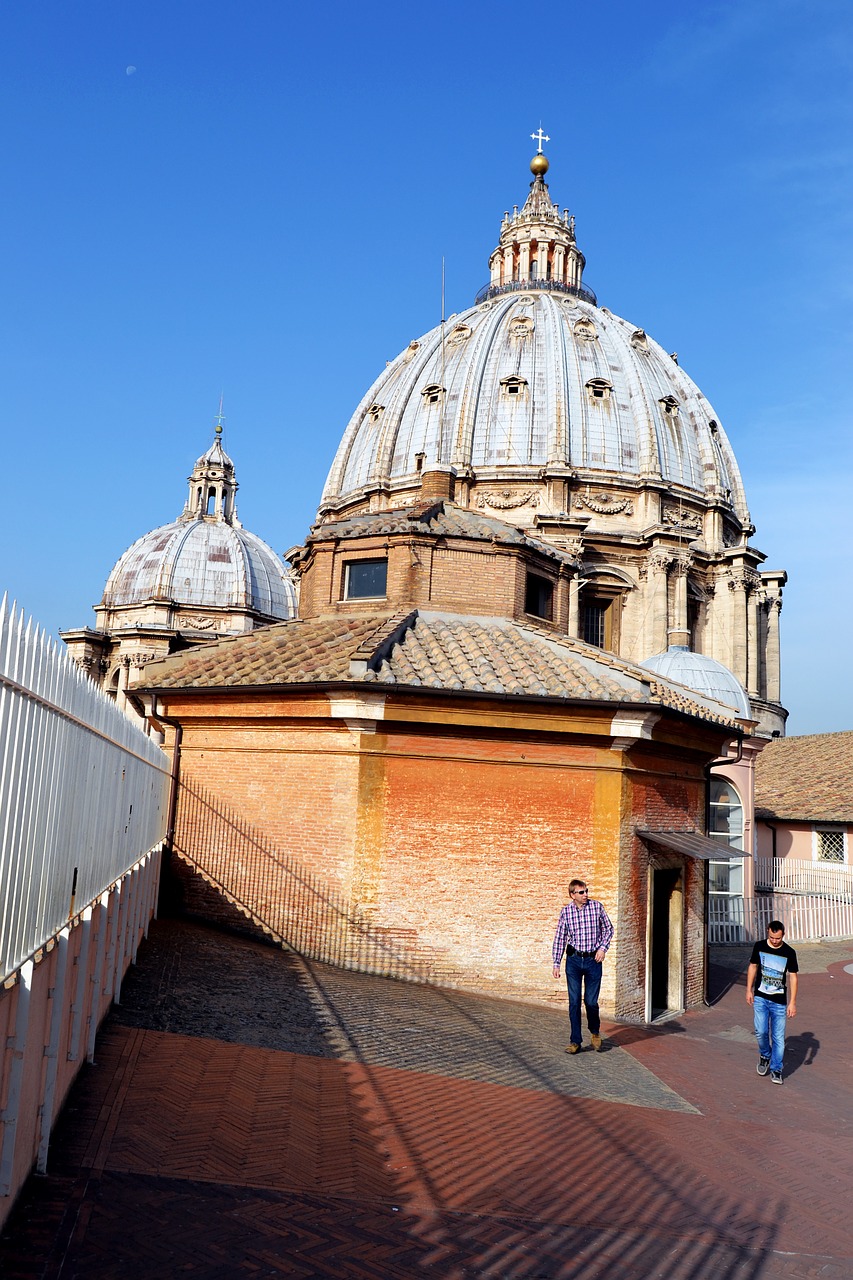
point(539, 165)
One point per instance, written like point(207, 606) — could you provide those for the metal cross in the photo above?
point(219, 418)
point(540, 137)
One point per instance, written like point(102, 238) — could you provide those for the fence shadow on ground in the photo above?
point(490, 1183)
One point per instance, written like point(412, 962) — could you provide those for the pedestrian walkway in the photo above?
point(252, 1115)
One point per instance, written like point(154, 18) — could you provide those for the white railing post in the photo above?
point(81, 985)
point(17, 1048)
point(51, 1053)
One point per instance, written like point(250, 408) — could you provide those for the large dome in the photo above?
point(536, 378)
point(536, 381)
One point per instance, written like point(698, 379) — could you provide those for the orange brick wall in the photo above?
point(450, 847)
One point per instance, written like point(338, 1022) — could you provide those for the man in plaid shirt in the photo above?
point(585, 932)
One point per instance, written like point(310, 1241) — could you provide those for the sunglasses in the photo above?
point(580, 891)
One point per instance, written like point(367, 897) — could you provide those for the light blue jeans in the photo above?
point(770, 1019)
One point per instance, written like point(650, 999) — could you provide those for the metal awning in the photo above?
point(692, 844)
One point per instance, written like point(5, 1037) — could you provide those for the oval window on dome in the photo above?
point(521, 326)
point(640, 341)
point(460, 334)
point(585, 330)
point(433, 393)
point(599, 389)
point(669, 405)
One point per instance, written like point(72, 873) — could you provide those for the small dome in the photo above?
point(205, 558)
point(208, 565)
point(702, 674)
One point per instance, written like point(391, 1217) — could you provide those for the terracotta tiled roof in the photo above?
point(438, 519)
point(442, 651)
point(809, 779)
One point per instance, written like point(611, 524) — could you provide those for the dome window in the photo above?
point(539, 597)
point(460, 334)
point(599, 389)
point(365, 579)
point(375, 412)
point(640, 341)
point(585, 330)
point(669, 405)
point(433, 393)
point(521, 327)
point(514, 386)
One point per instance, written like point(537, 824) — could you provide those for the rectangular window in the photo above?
point(594, 623)
point(365, 579)
point(830, 846)
point(539, 596)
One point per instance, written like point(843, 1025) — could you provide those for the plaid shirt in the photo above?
point(586, 928)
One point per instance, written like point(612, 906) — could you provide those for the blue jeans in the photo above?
point(587, 971)
point(770, 1019)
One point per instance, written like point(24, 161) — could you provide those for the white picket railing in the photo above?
point(806, 916)
point(797, 875)
point(83, 791)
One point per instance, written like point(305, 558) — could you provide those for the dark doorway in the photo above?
point(667, 939)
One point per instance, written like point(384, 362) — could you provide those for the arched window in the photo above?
point(725, 823)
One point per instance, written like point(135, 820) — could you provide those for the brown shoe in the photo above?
point(596, 1043)
point(573, 1048)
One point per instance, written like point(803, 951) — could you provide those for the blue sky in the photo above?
point(255, 199)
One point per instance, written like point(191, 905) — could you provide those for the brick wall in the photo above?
point(441, 848)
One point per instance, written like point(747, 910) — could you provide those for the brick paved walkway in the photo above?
point(251, 1116)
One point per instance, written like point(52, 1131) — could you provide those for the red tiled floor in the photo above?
point(182, 1155)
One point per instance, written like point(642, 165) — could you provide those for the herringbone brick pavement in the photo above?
point(436, 1134)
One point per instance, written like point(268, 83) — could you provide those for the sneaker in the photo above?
point(573, 1048)
point(776, 1077)
point(596, 1043)
point(763, 1064)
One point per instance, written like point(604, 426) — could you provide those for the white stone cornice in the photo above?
point(630, 727)
point(359, 711)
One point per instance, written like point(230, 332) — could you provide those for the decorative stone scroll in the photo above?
point(199, 623)
point(507, 500)
point(682, 519)
point(660, 561)
point(603, 504)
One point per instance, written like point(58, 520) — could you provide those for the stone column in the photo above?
point(678, 632)
point(772, 662)
point(738, 588)
point(753, 666)
point(508, 265)
point(574, 605)
point(657, 606)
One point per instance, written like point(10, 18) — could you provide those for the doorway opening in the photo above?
point(666, 959)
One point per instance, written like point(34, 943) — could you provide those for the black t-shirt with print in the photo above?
point(774, 964)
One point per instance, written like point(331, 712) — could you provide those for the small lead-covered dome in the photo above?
point(703, 674)
point(205, 559)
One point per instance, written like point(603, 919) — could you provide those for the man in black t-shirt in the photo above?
point(771, 989)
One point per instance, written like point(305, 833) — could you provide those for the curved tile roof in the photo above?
point(423, 650)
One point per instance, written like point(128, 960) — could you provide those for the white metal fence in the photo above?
point(806, 916)
point(83, 792)
point(797, 875)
